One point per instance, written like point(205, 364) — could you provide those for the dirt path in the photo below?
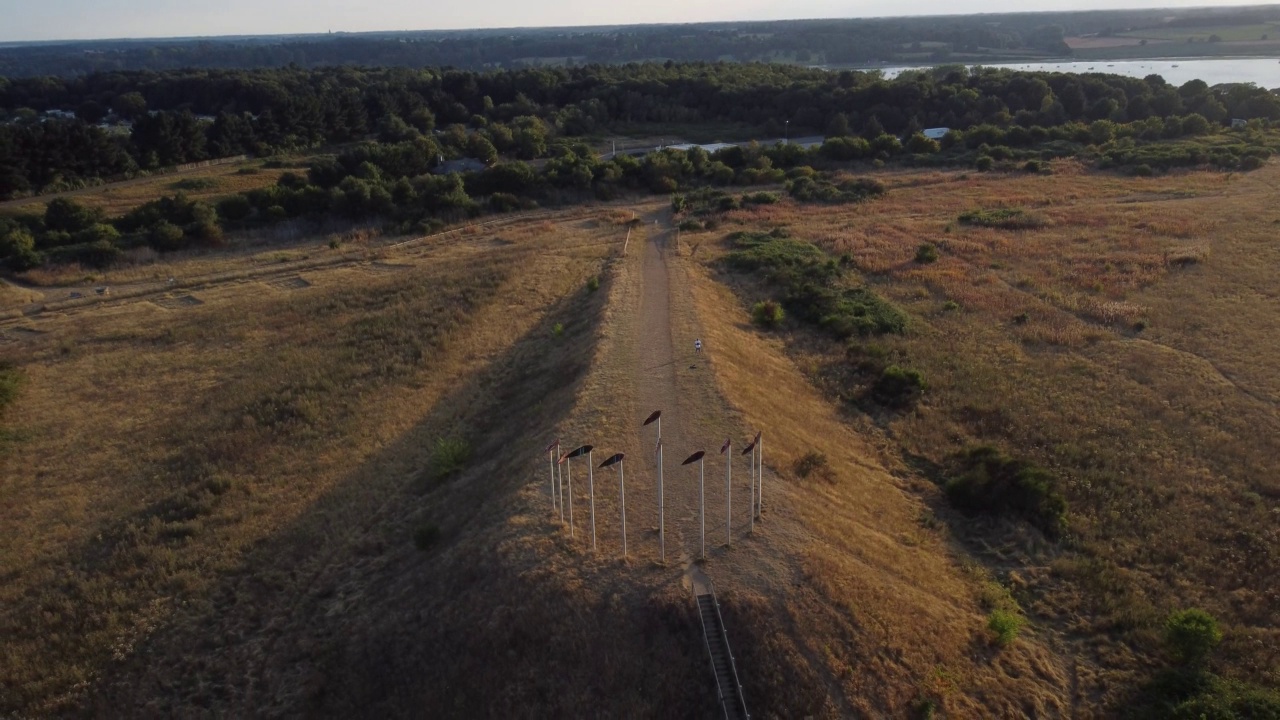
point(656, 367)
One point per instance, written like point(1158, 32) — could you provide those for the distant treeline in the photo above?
point(518, 113)
point(844, 41)
point(391, 182)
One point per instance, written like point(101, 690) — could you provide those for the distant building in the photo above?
point(1239, 123)
point(936, 133)
point(461, 165)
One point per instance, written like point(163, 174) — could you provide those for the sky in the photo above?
point(25, 20)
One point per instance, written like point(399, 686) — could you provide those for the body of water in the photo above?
point(1264, 72)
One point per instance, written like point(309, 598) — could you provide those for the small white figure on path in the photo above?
point(697, 345)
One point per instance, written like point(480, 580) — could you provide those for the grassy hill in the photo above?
point(314, 483)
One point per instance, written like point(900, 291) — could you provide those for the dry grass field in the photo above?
point(312, 483)
point(1124, 340)
point(207, 184)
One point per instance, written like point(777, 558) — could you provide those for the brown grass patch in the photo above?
point(1164, 445)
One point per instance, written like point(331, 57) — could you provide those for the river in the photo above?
point(1264, 72)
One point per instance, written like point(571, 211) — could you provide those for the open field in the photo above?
point(1123, 339)
point(207, 184)
point(314, 484)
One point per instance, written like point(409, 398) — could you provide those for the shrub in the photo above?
point(1033, 166)
point(951, 306)
point(10, 381)
point(449, 456)
point(1191, 634)
point(812, 463)
point(767, 313)
point(760, 198)
point(1143, 170)
point(926, 254)
point(984, 163)
point(557, 330)
point(812, 287)
point(1004, 219)
point(691, 225)
point(989, 483)
point(898, 386)
point(593, 284)
point(1006, 625)
point(426, 536)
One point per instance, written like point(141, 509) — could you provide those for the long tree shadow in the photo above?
point(341, 613)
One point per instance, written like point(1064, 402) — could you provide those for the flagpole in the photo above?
point(622, 480)
point(551, 456)
point(760, 507)
point(591, 483)
point(753, 490)
point(702, 507)
point(728, 491)
point(662, 528)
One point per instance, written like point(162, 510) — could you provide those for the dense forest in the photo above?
point(185, 116)
point(390, 129)
point(836, 42)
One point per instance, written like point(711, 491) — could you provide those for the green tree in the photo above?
point(1191, 635)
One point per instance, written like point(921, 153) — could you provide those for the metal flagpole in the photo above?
point(656, 416)
point(727, 451)
point(662, 528)
point(760, 447)
point(702, 505)
point(584, 450)
point(751, 448)
point(591, 484)
point(622, 483)
point(622, 487)
point(551, 456)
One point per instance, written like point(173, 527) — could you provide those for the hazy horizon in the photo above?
point(72, 20)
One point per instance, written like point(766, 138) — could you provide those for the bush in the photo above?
point(812, 463)
point(557, 330)
point(1006, 625)
point(811, 282)
point(984, 163)
point(989, 483)
point(1004, 218)
point(951, 306)
point(1033, 166)
point(898, 386)
point(10, 381)
point(761, 198)
point(816, 189)
point(1191, 634)
point(1143, 170)
point(593, 284)
point(449, 456)
point(426, 536)
point(691, 225)
point(926, 254)
point(767, 313)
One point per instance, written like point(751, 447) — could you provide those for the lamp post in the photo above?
point(786, 132)
point(702, 500)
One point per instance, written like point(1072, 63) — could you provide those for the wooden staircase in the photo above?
point(728, 688)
